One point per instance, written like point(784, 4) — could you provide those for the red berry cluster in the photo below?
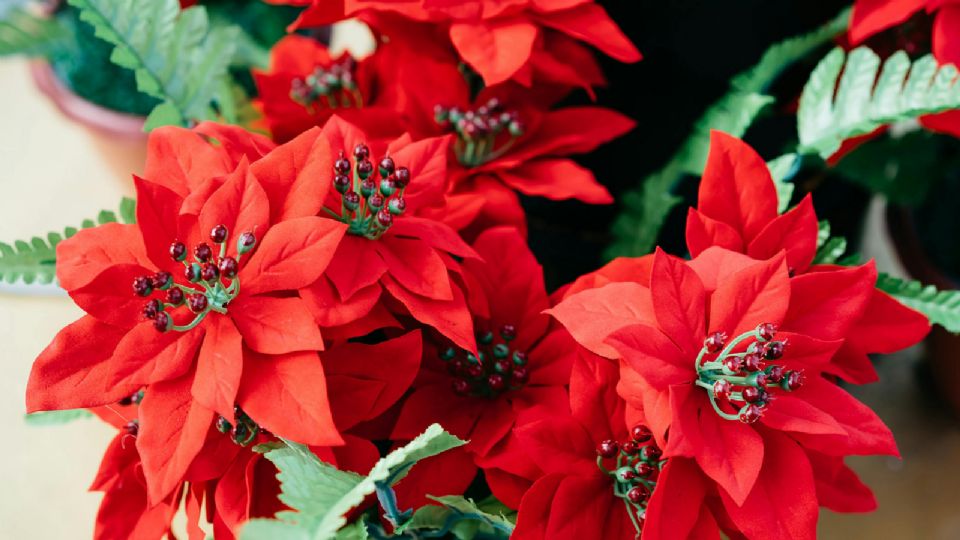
point(368, 205)
point(495, 369)
point(331, 87)
point(216, 277)
point(744, 380)
point(479, 131)
point(638, 465)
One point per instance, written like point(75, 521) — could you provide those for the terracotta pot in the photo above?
point(118, 136)
point(942, 347)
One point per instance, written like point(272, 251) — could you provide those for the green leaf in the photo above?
point(644, 209)
point(321, 495)
point(128, 210)
point(176, 56)
point(848, 95)
point(780, 169)
point(940, 307)
point(22, 32)
point(54, 418)
point(35, 261)
point(463, 518)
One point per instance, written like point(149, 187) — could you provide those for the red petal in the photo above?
point(570, 130)
point(157, 210)
point(717, 265)
point(585, 507)
point(328, 310)
point(292, 255)
point(873, 16)
point(296, 176)
point(561, 444)
point(495, 49)
point(535, 508)
point(653, 355)
point(173, 427)
point(181, 159)
point(356, 265)
point(365, 380)
point(449, 472)
point(838, 487)
point(83, 256)
point(450, 318)
point(781, 506)
point(240, 203)
point(676, 502)
point(592, 315)
point(437, 403)
point(679, 301)
point(109, 296)
point(427, 161)
point(731, 453)
point(556, 179)
point(593, 396)
point(797, 415)
point(437, 234)
point(287, 394)
point(145, 356)
point(887, 326)
point(754, 295)
point(276, 325)
point(621, 269)
point(589, 22)
point(704, 232)
point(825, 304)
point(795, 232)
point(736, 187)
point(219, 366)
point(416, 266)
point(74, 371)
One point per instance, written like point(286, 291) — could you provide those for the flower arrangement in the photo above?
point(321, 316)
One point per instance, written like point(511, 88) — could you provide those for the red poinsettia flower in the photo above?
point(737, 210)
point(198, 302)
point(871, 17)
point(305, 85)
point(499, 40)
point(379, 192)
point(523, 361)
point(726, 352)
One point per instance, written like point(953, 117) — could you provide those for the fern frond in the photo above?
point(22, 32)
point(940, 307)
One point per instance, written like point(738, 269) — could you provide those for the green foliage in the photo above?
point(22, 32)
point(645, 209)
point(54, 418)
point(35, 260)
point(176, 56)
point(941, 307)
point(462, 518)
point(781, 169)
point(320, 495)
point(848, 95)
point(833, 249)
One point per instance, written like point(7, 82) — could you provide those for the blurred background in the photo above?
point(57, 170)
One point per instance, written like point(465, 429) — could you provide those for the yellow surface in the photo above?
point(53, 173)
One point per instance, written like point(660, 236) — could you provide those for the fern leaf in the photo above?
point(176, 56)
point(940, 307)
point(848, 95)
point(22, 32)
point(644, 209)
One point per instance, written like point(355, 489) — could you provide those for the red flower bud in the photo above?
point(715, 342)
point(219, 234)
point(608, 449)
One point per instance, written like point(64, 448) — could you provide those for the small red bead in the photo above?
point(722, 389)
point(175, 296)
point(750, 413)
point(197, 302)
point(161, 280)
point(608, 449)
point(461, 386)
point(520, 376)
point(384, 218)
point(773, 350)
point(766, 331)
point(652, 452)
point(715, 342)
point(793, 380)
point(152, 307)
point(132, 427)
point(247, 240)
point(209, 272)
point(387, 166)
point(638, 494)
point(496, 382)
point(402, 176)
point(142, 286)
point(202, 252)
point(341, 183)
point(219, 234)
point(361, 151)
point(178, 251)
point(474, 370)
point(775, 374)
point(162, 322)
point(644, 469)
point(364, 170)
point(342, 164)
point(641, 433)
point(192, 273)
point(752, 394)
point(733, 364)
point(508, 332)
point(630, 448)
point(228, 267)
point(752, 362)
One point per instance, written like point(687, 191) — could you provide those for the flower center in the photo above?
point(497, 368)
point(743, 380)
point(483, 134)
point(213, 282)
point(243, 432)
point(636, 465)
point(366, 205)
point(328, 87)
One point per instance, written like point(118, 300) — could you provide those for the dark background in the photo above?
point(690, 50)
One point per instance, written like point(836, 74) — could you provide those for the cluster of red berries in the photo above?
point(243, 431)
point(207, 272)
point(334, 84)
point(745, 379)
point(368, 205)
point(479, 130)
point(496, 368)
point(638, 465)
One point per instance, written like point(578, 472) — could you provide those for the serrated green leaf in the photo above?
point(320, 495)
point(176, 56)
point(835, 107)
point(24, 33)
point(461, 517)
point(53, 418)
point(644, 209)
point(355, 531)
point(940, 307)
